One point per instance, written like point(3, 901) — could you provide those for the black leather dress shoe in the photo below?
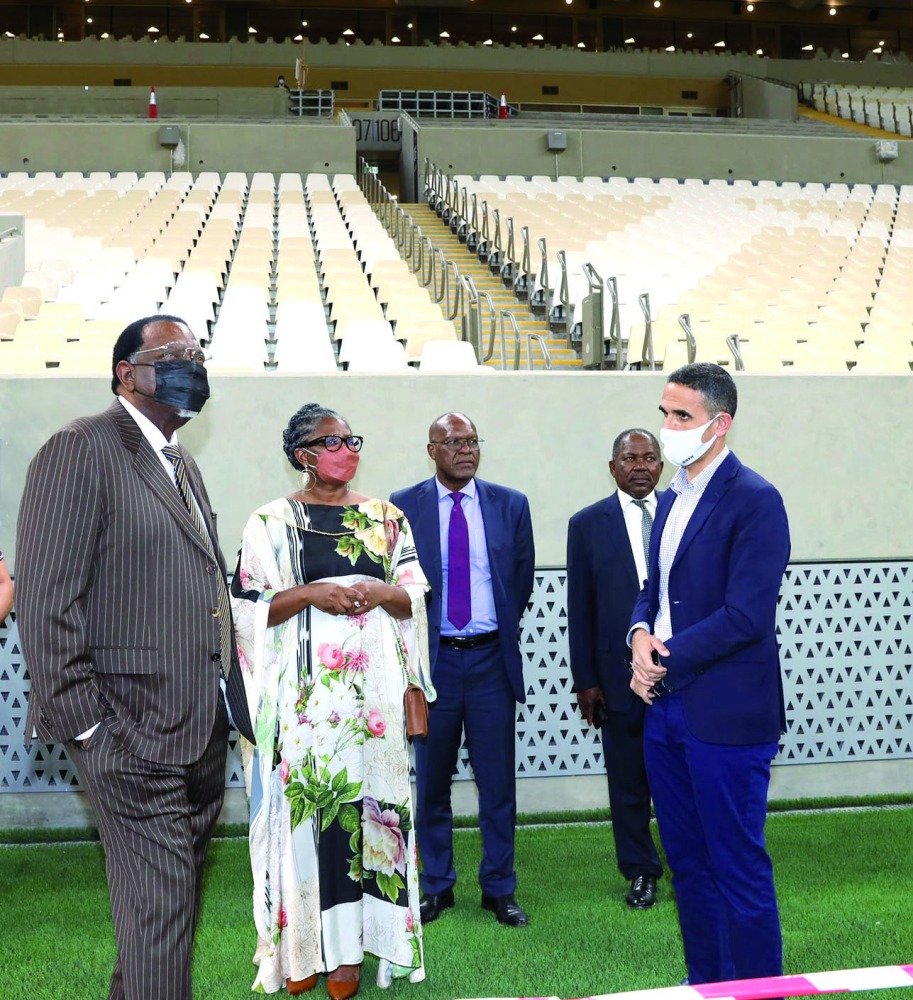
point(642, 893)
point(431, 907)
point(506, 909)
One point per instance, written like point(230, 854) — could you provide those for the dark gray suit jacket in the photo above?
point(117, 594)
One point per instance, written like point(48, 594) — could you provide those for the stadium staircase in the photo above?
point(502, 297)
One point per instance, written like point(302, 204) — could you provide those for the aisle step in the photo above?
point(502, 297)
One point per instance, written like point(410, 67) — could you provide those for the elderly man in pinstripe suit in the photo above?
point(121, 614)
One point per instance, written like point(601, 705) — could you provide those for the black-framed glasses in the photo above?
point(457, 444)
point(333, 442)
point(176, 352)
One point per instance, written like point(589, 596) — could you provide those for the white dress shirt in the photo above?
point(634, 517)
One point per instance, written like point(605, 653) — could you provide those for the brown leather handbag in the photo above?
point(416, 709)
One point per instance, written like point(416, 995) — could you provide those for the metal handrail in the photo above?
point(457, 292)
point(542, 277)
point(525, 262)
point(472, 230)
point(410, 232)
point(647, 355)
point(428, 277)
point(496, 241)
point(615, 322)
point(732, 341)
point(564, 295)
point(418, 259)
point(684, 321)
point(510, 254)
point(530, 337)
point(438, 255)
point(492, 331)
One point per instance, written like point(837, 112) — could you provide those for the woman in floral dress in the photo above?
point(328, 601)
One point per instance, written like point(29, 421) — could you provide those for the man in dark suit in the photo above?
point(475, 544)
point(607, 545)
point(705, 660)
point(125, 629)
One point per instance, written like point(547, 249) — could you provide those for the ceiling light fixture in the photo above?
point(252, 31)
point(152, 29)
point(877, 51)
point(749, 7)
point(105, 34)
point(539, 38)
point(204, 37)
point(304, 24)
point(657, 3)
point(444, 34)
point(348, 32)
point(832, 11)
point(298, 38)
point(690, 34)
point(808, 48)
point(719, 45)
point(629, 41)
point(844, 55)
point(670, 48)
point(488, 41)
point(395, 39)
point(513, 27)
point(759, 52)
point(581, 45)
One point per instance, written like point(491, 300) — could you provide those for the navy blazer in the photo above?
point(723, 587)
point(602, 586)
point(511, 558)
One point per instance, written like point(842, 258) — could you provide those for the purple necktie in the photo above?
point(459, 599)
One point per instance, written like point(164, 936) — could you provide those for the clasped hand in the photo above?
point(336, 599)
point(646, 672)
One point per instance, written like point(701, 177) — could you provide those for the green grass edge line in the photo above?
point(54, 835)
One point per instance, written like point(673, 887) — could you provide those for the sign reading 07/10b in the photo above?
point(376, 131)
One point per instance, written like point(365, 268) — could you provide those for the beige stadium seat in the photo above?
point(441, 356)
point(872, 359)
point(10, 318)
point(416, 333)
point(16, 359)
point(29, 298)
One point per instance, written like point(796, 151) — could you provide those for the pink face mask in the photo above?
point(336, 467)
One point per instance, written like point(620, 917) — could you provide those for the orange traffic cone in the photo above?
point(153, 108)
point(502, 108)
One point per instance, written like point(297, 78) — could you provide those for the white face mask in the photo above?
point(685, 447)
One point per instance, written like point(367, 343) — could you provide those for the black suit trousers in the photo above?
point(629, 791)
point(156, 822)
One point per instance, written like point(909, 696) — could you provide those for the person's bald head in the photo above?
point(453, 444)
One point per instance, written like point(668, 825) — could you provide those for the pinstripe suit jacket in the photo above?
point(116, 594)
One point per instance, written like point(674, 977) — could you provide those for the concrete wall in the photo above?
point(296, 145)
point(172, 102)
point(516, 149)
point(758, 98)
point(822, 440)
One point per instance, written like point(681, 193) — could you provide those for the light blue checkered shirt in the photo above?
point(688, 496)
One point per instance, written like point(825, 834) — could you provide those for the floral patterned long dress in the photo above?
point(331, 819)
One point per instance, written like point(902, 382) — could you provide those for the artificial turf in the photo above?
point(843, 879)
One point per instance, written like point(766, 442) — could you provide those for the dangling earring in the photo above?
point(307, 479)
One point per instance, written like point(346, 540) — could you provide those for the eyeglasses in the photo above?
point(333, 442)
point(176, 352)
point(457, 444)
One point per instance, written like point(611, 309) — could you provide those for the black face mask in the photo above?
point(182, 385)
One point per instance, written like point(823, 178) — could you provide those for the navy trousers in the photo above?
point(473, 693)
point(711, 804)
point(629, 791)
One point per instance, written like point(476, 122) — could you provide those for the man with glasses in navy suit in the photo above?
point(475, 544)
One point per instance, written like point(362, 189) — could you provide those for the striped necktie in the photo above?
point(224, 610)
point(646, 526)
